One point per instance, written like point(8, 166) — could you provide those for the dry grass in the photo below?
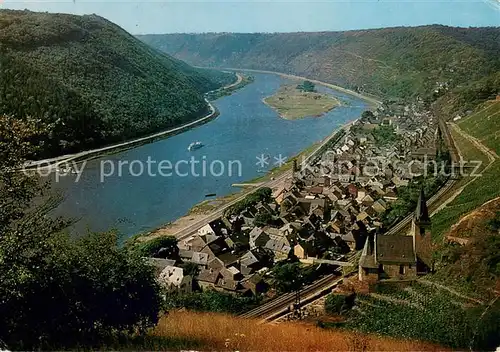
point(226, 333)
point(292, 104)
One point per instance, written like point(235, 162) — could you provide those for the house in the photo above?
point(215, 264)
point(349, 239)
point(194, 243)
point(185, 255)
point(379, 206)
point(160, 264)
point(362, 193)
point(258, 238)
point(290, 230)
point(228, 258)
point(280, 246)
point(207, 278)
point(231, 273)
point(305, 250)
point(399, 256)
point(390, 196)
point(174, 280)
point(352, 190)
point(255, 260)
point(256, 284)
point(200, 258)
point(216, 228)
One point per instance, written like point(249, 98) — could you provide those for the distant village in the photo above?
point(323, 212)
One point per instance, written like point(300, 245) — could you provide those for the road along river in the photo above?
point(143, 188)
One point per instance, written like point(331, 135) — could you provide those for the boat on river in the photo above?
point(195, 145)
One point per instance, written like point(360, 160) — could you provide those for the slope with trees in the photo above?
point(91, 82)
point(389, 62)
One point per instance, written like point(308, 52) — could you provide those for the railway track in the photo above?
point(281, 304)
point(407, 220)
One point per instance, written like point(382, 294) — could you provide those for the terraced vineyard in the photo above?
point(421, 311)
point(484, 125)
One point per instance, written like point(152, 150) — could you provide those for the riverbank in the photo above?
point(244, 130)
point(291, 103)
point(206, 211)
point(373, 101)
point(241, 82)
point(64, 160)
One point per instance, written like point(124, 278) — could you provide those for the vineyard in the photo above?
point(421, 311)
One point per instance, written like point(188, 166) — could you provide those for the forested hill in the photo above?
point(92, 82)
point(390, 62)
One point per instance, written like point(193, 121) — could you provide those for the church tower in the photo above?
point(420, 230)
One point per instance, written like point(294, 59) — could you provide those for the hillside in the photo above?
point(92, 82)
point(390, 62)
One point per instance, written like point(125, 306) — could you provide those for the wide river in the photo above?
point(110, 196)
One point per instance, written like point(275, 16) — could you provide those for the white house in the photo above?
point(174, 280)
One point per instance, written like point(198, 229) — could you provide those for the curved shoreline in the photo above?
point(54, 163)
point(366, 98)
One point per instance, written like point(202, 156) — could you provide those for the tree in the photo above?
point(367, 114)
point(191, 269)
point(306, 86)
point(288, 277)
point(161, 247)
point(262, 219)
point(338, 303)
point(58, 292)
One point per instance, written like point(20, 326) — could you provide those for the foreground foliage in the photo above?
point(211, 301)
point(57, 292)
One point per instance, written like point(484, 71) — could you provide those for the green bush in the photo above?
point(152, 248)
point(211, 301)
point(338, 303)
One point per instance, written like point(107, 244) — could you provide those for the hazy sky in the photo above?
point(167, 16)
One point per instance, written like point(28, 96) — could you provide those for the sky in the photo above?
point(175, 16)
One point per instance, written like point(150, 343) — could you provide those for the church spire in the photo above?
point(422, 213)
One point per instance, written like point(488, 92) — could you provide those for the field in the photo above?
point(468, 150)
point(485, 187)
point(209, 331)
point(292, 104)
point(485, 125)
point(428, 311)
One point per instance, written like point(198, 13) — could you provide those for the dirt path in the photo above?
point(396, 300)
point(450, 290)
point(491, 154)
point(492, 157)
point(384, 64)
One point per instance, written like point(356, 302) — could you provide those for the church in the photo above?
point(399, 257)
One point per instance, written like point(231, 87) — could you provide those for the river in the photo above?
point(110, 196)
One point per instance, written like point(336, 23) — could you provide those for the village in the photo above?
point(325, 213)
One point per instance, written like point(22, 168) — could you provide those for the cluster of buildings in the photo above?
point(321, 213)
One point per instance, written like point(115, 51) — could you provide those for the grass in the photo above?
point(210, 205)
point(424, 312)
point(475, 194)
point(485, 125)
point(287, 166)
point(292, 104)
point(468, 150)
point(227, 333)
